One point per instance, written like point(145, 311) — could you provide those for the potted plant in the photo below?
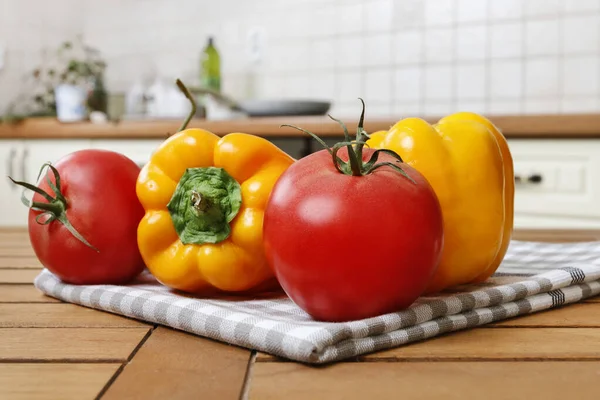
point(68, 85)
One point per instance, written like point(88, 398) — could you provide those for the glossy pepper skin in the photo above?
point(467, 161)
point(191, 237)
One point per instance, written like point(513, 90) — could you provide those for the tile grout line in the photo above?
point(71, 327)
point(487, 97)
point(248, 377)
point(597, 95)
point(454, 62)
point(561, 61)
point(524, 57)
point(395, 65)
point(124, 364)
point(60, 361)
point(2, 302)
point(422, 63)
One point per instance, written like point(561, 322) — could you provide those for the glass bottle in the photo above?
point(210, 67)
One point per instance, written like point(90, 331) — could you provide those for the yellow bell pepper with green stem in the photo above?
point(468, 163)
point(205, 198)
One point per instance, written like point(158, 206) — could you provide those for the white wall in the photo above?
point(404, 57)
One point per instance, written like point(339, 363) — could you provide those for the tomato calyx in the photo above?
point(56, 207)
point(356, 166)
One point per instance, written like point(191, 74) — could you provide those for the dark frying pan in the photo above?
point(269, 107)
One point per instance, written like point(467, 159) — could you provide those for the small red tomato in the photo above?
point(83, 218)
point(354, 243)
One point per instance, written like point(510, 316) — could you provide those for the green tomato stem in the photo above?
point(55, 208)
point(356, 166)
point(360, 140)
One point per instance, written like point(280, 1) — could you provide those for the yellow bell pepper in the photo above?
point(205, 198)
point(468, 163)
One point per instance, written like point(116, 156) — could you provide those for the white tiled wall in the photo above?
point(27, 29)
point(403, 57)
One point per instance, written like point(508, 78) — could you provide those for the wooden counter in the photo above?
point(532, 126)
point(54, 350)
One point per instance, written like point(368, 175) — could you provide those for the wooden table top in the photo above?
point(54, 350)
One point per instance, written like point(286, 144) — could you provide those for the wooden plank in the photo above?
point(176, 365)
point(60, 316)
point(595, 299)
point(557, 235)
point(25, 293)
point(17, 251)
point(14, 234)
point(585, 315)
point(502, 344)
point(20, 263)
point(422, 380)
point(52, 381)
point(6, 243)
point(18, 275)
point(69, 344)
point(493, 344)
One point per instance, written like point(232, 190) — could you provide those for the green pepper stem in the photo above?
point(187, 94)
point(198, 201)
point(205, 201)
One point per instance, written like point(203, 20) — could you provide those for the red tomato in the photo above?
point(99, 187)
point(349, 247)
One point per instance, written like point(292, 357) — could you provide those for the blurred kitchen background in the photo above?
point(531, 66)
point(428, 57)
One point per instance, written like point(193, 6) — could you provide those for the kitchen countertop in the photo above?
point(50, 349)
point(530, 126)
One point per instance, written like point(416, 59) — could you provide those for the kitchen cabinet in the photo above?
point(22, 161)
point(23, 158)
point(38, 152)
point(12, 211)
point(557, 183)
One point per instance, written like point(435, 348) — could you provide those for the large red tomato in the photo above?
point(347, 247)
point(88, 231)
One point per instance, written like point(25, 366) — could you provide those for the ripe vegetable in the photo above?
point(353, 233)
point(468, 163)
point(204, 198)
point(86, 232)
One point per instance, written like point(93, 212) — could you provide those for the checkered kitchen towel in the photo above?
point(532, 277)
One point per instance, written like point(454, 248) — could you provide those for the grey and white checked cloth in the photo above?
point(533, 277)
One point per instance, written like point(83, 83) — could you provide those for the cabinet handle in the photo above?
point(534, 178)
point(24, 164)
point(9, 165)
